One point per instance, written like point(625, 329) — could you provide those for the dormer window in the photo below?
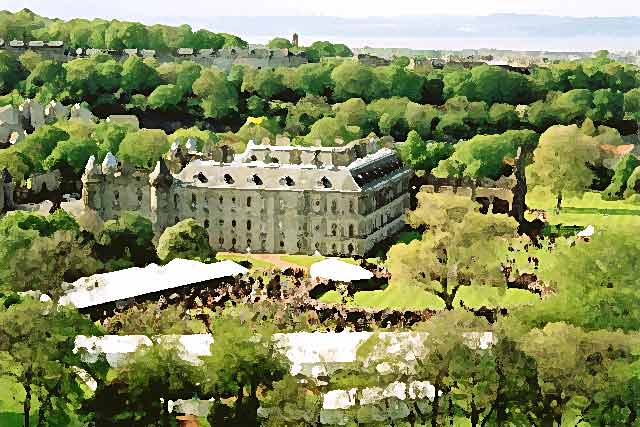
point(288, 181)
point(325, 182)
point(200, 177)
point(256, 180)
point(228, 179)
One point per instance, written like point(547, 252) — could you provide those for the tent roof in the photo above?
point(132, 282)
point(340, 271)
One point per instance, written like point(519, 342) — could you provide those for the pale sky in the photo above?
point(147, 10)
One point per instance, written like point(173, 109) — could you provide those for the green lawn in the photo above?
point(588, 210)
point(302, 260)
point(257, 263)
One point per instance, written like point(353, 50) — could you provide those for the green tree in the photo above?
point(622, 172)
point(165, 97)
point(354, 80)
point(10, 73)
point(137, 76)
point(561, 161)
point(36, 346)
point(244, 361)
point(279, 43)
point(486, 155)
point(608, 106)
point(144, 147)
point(205, 39)
point(312, 79)
point(155, 373)
point(460, 247)
point(291, 404)
point(219, 96)
point(187, 239)
point(423, 156)
point(327, 129)
point(71, 155)
point(129, 239)
point(36, 147)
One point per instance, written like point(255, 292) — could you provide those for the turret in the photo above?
point(109, 164)
point(162, 208)
point(92, 182)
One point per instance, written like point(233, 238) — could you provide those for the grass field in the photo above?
point(257, 263)
point(588, 210)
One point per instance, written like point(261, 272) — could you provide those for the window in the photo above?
point(248, 224)
point(317, 227)
point(176, 201)
point(325, 182)
point(206, 223)
point(248, 202)
point(221, 240)
point(254, 158)
point(281, 244)
point(334, 230)
point(256, 180)
point(221, 222)
point(228, 179)
point(351, 230)
point(139, 193)
point(176, 220)
point(288, 181)
point(194, 202)
point(248, 243)
point(233, 223)
point(351, 210)
point(221, 200)
point(233, 242)
point(233, 200)
point(334, 206)
point(200, 177)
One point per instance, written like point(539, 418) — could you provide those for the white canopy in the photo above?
point(339, 271)
point(132, 282)
point(587, 232)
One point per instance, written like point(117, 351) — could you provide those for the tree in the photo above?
point(29, 60)
point(461, 247)
point(36, 344)
point(165, 97)
point(128, 239)
point(151, 320)
point(561, 161)
point(219, 96)
point(608, 106)
point(305, 113)
point(632, 106)
point(354, 80)
point(187, 239)
point(312, 79)
point(71, 155)
point(109, 136)
point(157, 373)
point(327, 129)
point(279, 43)
point(205, 39)
point(291, 404)
point(424, 156)
point(10, 73)
point(137, 76)
point(622, 172)
point(421, 118)
point(486, 155)
point(503, 117)
point(36, 147)
point(245, 358)
point(265, 83)
point(144, 147)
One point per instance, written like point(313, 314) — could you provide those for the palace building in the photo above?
point(271, 198)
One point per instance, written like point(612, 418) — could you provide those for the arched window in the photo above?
point(248, 202)
point(325, 182)
point(351, 230)
point(256, 180)
point(233, 223)
point(176, 200)
point(228, 179)
point(248, 224)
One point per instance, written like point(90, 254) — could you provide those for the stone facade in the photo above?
point(6, 191)
point(273, 199)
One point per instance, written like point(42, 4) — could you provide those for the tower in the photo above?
point(295, 40)
point(161, 182)
point(92, 183)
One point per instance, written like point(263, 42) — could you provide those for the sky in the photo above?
point(149, 10)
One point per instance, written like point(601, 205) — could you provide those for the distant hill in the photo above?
point(500, 25)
